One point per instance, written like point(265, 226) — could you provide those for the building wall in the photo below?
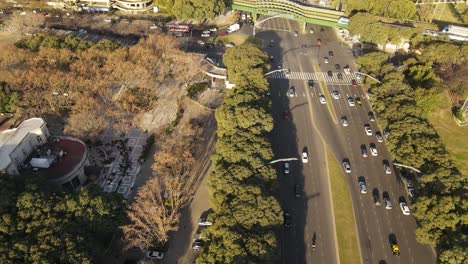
point(33, 139)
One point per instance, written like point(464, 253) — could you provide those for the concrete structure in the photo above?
point(29, 150)
point(129, 6)
point(133, 6)
point(293, 10)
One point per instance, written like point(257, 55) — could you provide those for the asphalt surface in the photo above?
point(311, 125)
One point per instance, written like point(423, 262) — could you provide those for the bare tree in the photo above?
point(24, 23)
point(156, 209)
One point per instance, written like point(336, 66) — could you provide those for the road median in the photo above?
point(324, 91)
point(345, 225)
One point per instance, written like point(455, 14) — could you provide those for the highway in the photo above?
point(312, 125)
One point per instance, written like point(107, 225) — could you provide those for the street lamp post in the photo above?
point(278, 160)
point(280, 70)
point(261, 21)
point(365, 74)
point(406, 166)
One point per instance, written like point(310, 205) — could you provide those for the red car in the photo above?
point(354, 83)
point(319, 41)
point(222, 34)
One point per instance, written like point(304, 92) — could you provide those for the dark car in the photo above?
point(330, 73)
point(298, 190)
point(371, 116)
point(337, 66)
point(340, 76)
point(286, 114)
point(272, 43)
point(330, 53)
point(311, 83)
point(197, 244)
point(287, 220)
point(354, 83)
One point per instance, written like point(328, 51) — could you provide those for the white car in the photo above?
point(203, 222)
point(379, 137)
point(154, 254)
point(358, 76)
point(292, 92)
point(322, 99)
point(351, 101)
point(205, 35)
point(388, 204)
point(305, 158)
point(286, 168)
point(363, 187)
point(373, 150)
point(368, 130)
point(347, 167)
point(404, 208)
point(325, 59)
point(213, 29)
point(387, 169)
point(336, 95)
point(206, 32)
point(344, 121)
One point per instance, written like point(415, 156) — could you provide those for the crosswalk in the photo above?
point(316, 76)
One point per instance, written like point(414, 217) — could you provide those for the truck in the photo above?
point(456, 30)
point(233, 27)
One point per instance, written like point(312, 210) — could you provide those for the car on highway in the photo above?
point(335, 94)
point(358, 76)
point(311, 83)
point(364, 150)
point(292, 91)
point(154, 254)
point(395, 249)
point(296, 33)
point(404, 208)
point(286, 168)
point(386, 167)
point(325, 59)
point(362, 187)
point(330, 54)
point(337, 66)
point(205, 35)
point(340, 76)
point(378, 136)
point(206, 32)
point(214, 29)
point(230, 45)
point(351, 101)
point(319, 41)
point(368, 130)
point(287, 220)
point(322, 99)
point(305, 157)
point(272, 43)
point(410, 192)
point(353, 83)
point(298, 190)
point(285, 114)
point(388, 204)
point(280, 66)
point(373, 149)
point(371, 116)
point(344, 121)
point(197, 244)
point(358, 101)
point(203, 222)
point(347, 166)
point(330, 73)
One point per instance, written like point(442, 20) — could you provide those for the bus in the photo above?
point(179, 28)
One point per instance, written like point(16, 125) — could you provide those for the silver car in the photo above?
point(363, 187)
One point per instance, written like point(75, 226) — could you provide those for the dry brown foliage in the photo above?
point(27, 23)
point(155, 67)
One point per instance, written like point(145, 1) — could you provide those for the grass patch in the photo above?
point(323, 88)
point(454, 137)
point(344, 216)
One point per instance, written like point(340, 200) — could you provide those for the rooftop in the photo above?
point(11, 138)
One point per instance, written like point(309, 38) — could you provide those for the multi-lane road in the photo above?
point(314, 127)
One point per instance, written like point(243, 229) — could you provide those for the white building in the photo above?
point(18, 143)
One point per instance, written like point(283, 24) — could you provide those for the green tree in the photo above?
point(401, 9)
point(8, 99)
point(197, 9)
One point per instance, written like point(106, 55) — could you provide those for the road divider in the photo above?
point(323, 88)
point(345, 224)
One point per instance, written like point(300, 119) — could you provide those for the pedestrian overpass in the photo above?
point(292, 10)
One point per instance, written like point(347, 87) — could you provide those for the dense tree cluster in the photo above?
point(38, 225)
point(441, 203)
point(245, 212)
point(194, 9)
point(371, 29)
point(92, 86)
point(398, 9)
point(7, 99)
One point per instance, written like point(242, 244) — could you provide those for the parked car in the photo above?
point(154, 254)
point(197, 244)
point(203, 222)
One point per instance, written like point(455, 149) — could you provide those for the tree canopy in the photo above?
point(196, 9)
